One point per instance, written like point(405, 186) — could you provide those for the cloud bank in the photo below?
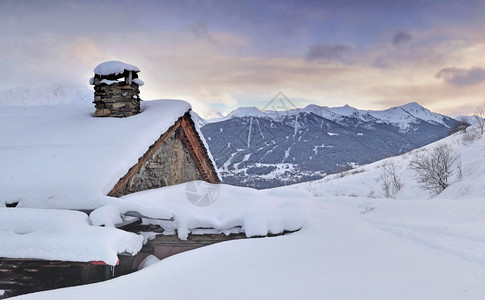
point(462, 76)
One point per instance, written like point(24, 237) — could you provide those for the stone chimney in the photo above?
point(116, 92)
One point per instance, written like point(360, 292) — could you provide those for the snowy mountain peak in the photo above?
point(246, 112)
point(321, 111)
point(413, 105)
point(345, 110)
point(410, 113)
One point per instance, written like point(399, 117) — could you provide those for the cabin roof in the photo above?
point(63, 157)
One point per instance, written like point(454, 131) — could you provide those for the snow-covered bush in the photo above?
point(391, 182)
point(435, 167)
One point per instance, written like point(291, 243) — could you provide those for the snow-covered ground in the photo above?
point(355, 244)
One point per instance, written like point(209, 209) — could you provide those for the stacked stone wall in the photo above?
point(116, 100)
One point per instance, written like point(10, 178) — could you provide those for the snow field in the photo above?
point(354, 244)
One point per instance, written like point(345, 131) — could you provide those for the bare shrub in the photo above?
point(470, 135)
point(341, 168)
point(357, 171)
point(459, 126)
point(391, 181)
point(480, 118)
point(435, 167)
point(365, 208)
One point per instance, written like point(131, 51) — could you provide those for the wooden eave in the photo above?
point(193, 143)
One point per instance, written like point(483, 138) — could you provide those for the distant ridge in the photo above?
point(403, 114)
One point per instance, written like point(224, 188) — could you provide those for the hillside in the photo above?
point(367, 181)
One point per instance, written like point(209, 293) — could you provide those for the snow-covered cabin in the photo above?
point(64, 157)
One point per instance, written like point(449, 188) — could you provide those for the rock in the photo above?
point(119, 105)
point(102, 112)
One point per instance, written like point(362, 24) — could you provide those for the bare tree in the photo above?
point(435, 167)
point(480, 118)
point(391, 182)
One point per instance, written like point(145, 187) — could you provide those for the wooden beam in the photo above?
point(129, 78)
point(200, 157)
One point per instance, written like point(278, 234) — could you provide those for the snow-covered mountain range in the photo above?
point(401, 115)
point(270, 148)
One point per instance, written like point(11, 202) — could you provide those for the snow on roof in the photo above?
point(63, 157)
point(114, 67)
point(138, 81)
point(61, 235)
point(254, 212)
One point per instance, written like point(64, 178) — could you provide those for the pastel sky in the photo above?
point(218, 55)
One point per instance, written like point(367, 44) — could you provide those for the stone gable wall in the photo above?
point(171, 164)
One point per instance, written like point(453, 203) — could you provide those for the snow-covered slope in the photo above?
point(351, 247)
point(338, 255)
point(366, 181)
point(49, 95)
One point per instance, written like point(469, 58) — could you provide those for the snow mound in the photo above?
point(61, 235)
point(232, 209)
point(114, 67)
